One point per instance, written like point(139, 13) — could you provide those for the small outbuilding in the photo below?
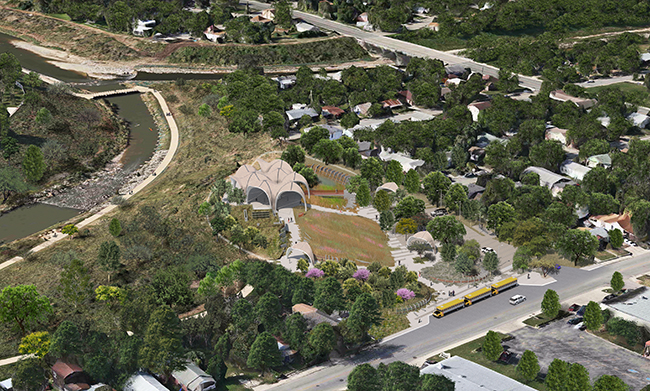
point(193, 378)
point(143, 381)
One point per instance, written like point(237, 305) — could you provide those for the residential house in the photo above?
point(70, 377)
point(602, 235)
point(260, 19)
point(484, 139)
point(644, 57)
point(314, 316)
point(476, 153)
point(614, 221)
point(557, 134)
point(469, 376)
point(362, 20)
point(334, 131)
point(302, 27)
point(453, 79)
point(286, 352)
point(268, 13)
point(362, 109)
point(639, 120)
point(391, 104)
point(406, 161)
point(332, 112)
point(555, 182)
point(214, 34)
point(435, 26)
point(143, 27)
point(295, 114)
point(621, 145)
point(420, 10)
point(474, 191)
point(193, 378)
point(603, 160)
point(476, 107)
point(574, 170)
point(365, 149)
point(562, 96)
point(142, 381)
point(285, 82)
point(444, 91)
point(406, 97)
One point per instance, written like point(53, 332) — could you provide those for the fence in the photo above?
point(413, 307)
point(468, 281)
point(332, 174)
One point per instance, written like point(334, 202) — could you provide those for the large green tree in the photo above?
point(29, 375)
point(610, 383)
point(264, 353)
point(408, 207)
point(162, 349)
point(528, 366)
point(557, 376)
point(551, 303)
point(491, 347)
point(617, 282)
point(578, 379)
point(268, 310)
point(66, 341)
point(75, 285)
point(364, 378)
point(33, 164)
point(11, 182)
point(435, 186)
point(412, 181)
point(24, 306)
point(577, 245)
point(329, 295)
point(373, 171)
point(394, 172)
point(456, 196)
point(446, 229)
point(364, 314)
point(431, 382)
point(399, 376)
point(322, 339)
point(381, 201)
point(109, 256)
point(593, 316)
point(283, 14)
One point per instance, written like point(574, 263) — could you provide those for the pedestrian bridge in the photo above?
point(106, 94)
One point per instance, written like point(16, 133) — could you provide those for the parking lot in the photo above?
point(560, 340)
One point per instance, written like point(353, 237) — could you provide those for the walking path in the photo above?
point(159, 170)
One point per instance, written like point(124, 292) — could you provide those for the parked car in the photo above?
point(629, 242)
point(579, 326)
point(609, 297)
point(575, 321)
point(581, 311)
point(590, 81)
point(470, 175)
point(439, 212)
point(505, 356)
point(516, 299)
point(486, 250)
point(6, 385)
point(574, 307)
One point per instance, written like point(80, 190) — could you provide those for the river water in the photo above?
point(143, 138)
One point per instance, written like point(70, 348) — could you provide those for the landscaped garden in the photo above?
point(343, 236)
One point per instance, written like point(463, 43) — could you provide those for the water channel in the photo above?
point(30, 219)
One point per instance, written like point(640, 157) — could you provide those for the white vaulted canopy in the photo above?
point(304, 248)
point(274, 184)
point(422, 237)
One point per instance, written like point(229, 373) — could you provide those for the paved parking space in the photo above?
point(560, 340)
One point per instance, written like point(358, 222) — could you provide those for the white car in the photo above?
point(629, 242)
point(580, 326)
point(486, 250)
point(516, 299)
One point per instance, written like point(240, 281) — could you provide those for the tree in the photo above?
point(43, 116)
point(491, 262)
point(328, 150)
point(610, 383)
point(557, 375)
point(435, 185)
point(171, 286)
point(508, 81)
point(303, 265)
point(242, 315)
point(547, 154)
point(448, 252)
point(304, 293)
point(162, 349)
point(528, 366)
point(373, 171)
point(32, 80)
point(455, 197)
point(283, 14)
point(23, 305)
point(446, 229)
point(364, 377)
point(118, 16)
point(409, 207)
point(593, 316)
point(617, 282)
point(264, 353)
point(578, 245)
point(66, 341)
point(381, 202)
point(363, 195)
point(33, 164)
point(322, 339)
point(491, 347)
point(364, 314)
point(296, 327)
point(37, 343)
point(463, 264)
point(406, 227)
point(616, 238)
point(412, 181)
point(216, 366)
point(309, 139)
point(29, 375)
point(11, 182)
point(268, 310)
point(109, 257)
point(349, 120)
point(75, 285)
point(578, 379)
point(394, 172)
point(329, 296)
point(419, 247)
point(399, 376)
point(293, 154)
point(386, 220)
point(115, 228)
point(551, 304)
point(69, 229)
point(431, 382)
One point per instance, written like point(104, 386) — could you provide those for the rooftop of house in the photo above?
point(314, 315)
point(481, 105)
point(563, 97)
point(638, 305)
point(469, 376)
point(392, 103)
point(333, 110)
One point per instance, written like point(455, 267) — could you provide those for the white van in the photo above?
point(516, 299)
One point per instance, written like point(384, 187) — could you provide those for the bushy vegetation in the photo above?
point(331, 50)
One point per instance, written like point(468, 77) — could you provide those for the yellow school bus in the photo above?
point(477, 295)
point(444, 309)
point(503, 285)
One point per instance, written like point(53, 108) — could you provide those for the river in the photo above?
point(27, 220)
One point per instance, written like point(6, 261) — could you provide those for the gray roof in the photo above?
point(473, 189)
point(194, 378)
point(604, 159)
point(602, 232)
point(297, 114)
point(547, 178)
point(143, 382)
point(637, 305)
point(469, 376)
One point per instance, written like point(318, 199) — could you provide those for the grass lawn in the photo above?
point(644, 280)
point(605, 255)
point(342, 236)
point(391, 324)
point(618, 340)
point(637, 91)
point(268, 227)
point(468, 352)
point(328, 202)
point(542, 319)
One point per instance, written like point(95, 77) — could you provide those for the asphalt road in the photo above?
point(396, 45)
point(463, 324)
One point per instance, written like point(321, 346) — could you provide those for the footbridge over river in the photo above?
point(106, 94)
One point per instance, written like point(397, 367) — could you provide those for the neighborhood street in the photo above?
point(490, 314)
point(401, 46)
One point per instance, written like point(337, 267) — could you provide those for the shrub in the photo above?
point(315, 273)
point(405, 294)
point(361, 274)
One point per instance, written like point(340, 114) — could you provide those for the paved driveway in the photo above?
point(560, 340)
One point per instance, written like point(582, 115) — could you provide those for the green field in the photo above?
point(635, 93)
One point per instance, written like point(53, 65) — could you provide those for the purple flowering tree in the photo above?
point(405, 294)
point(361, 274)
point(315, 273)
